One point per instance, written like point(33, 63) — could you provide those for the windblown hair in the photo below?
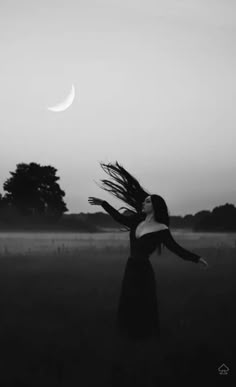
point(128, 189)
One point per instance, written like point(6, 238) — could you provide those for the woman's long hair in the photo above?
point(161, 213)
point(126, 187)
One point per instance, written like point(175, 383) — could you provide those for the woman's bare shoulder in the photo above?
point(155, 227)
point(161, 226)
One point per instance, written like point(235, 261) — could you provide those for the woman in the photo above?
point(148, 223)
point(149, 229)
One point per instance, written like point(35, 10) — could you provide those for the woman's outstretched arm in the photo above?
point(116, 215)
point(173, 246)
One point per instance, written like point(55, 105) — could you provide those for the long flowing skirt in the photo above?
point(138, 315)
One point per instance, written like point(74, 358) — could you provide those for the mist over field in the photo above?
point(72, 242)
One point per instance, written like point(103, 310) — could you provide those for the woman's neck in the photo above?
point(149, 218)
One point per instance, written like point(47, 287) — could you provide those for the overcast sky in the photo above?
point(154, 89)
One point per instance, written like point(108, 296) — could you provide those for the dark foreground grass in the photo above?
point(58, 316)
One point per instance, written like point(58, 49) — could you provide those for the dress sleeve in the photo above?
point(116, 215)
point(173, 246)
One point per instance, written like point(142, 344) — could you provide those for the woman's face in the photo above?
point(147, 205)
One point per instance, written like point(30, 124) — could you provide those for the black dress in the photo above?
point(138, 315)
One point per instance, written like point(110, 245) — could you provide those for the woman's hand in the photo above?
point(201, 260)
point(95, 201)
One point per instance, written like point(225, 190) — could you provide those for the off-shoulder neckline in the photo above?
point(147, 233)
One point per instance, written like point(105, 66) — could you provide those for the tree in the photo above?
point(222, 218)
point(33, 189)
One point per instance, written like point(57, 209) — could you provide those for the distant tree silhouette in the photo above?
point(222, 218)
point(33, 190)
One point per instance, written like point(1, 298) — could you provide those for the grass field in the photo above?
point(58, 314)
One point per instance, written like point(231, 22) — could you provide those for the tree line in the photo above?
point(33, 199)
point(220, 219)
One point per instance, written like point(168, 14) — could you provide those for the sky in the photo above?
point(154, 90)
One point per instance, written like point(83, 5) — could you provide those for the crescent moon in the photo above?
point(62, 106)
